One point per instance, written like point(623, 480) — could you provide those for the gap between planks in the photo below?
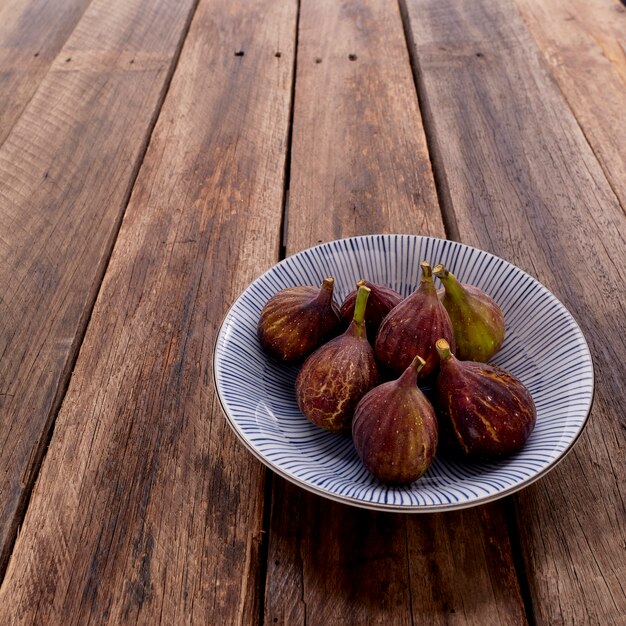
point(282, 253)
point(452, 232)
point(38, 455)
point(434, 153)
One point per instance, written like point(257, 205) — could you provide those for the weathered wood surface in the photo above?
point(32, 32)
point(584, 41)
point(522, 181)
point(147, 510)
point(359, 164)
point(66, 171)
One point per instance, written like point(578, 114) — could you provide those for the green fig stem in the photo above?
point(440, 271)
point(443, 348)
point(452, 285)
point(427, 272)
point(359, 308)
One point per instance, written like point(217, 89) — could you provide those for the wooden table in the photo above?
point(155, 157)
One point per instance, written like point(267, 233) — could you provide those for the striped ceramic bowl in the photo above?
point(544, 347)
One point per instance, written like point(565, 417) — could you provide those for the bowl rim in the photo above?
point(398, 508)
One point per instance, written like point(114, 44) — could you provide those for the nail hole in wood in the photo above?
point(318, 60)
point(132, 61)
point(479, 55)
point(239, 53)
point(278, 55)
point(276, 562)
point(45, 175)
point(36, 54)
point(68, 59)
point(352, 57)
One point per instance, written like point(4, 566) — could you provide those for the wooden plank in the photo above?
point(147, 509)
point(66, 170)
point(522, 181)
point(355, 167)
point(583, 43)
point(32, 32)
point(360, 164)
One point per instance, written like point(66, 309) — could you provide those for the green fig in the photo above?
point(395, 429)
point(338, 374)
point(381, 300)
point(412, 327)
point(477, 320)
point(484, 412)
point(297, 320)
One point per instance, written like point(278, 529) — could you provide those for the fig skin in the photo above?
point(484, 412)
point(338, 374)
point(477, 320)
point(395, 429)
point(412, 327)
point(380, 302)
point(297, 320)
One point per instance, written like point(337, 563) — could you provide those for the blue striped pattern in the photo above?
point(544, 348)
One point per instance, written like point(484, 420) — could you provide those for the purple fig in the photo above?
point(484, 411)
point(297, 320)
point(412, 328)
point(381, 300)
point(395, 429)
point(477, 320)
point(337, 375)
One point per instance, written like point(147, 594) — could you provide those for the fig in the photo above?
point(297, 320)
point(381, 300)
point(484, 411)
point(338, 374)
point(412, 327)
point(477, 320)
point(395, 429)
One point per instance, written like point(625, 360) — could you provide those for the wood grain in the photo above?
point(523, 182)
point(147, 509)
point(66, 170)
point(583, 41)
point(359, 157)
point(32, 33)
point(360, 165)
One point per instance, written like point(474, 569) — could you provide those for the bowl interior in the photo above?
point(544, 348)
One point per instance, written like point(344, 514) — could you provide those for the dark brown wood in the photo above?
point(147, 509)
point(360, 165)
point(583, 41)
point(32, 32)
point(522, 181)
point(66, 170)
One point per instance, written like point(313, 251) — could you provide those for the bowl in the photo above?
point(544, 348)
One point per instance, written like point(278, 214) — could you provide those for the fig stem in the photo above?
point(427, 272)
point(359, 308)
point(360, 283)
point(326, 291)
point(417, 363)
point(440, 271)
point(409, 376)
point(443, 348)
point(452, 285)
